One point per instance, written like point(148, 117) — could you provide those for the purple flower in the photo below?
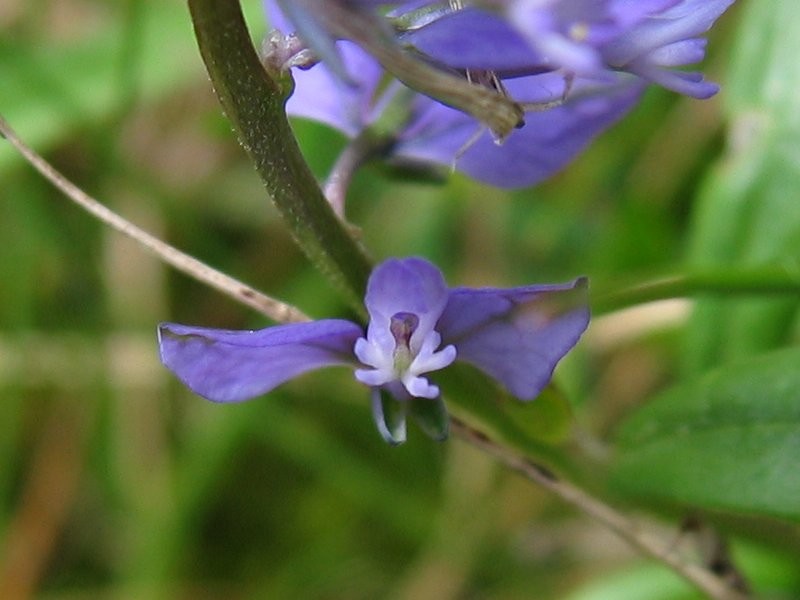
point(417, 326)
point(656, 45)
point(590, 38)
point(430, 132)
point(529, 36)
point(546, 144)
point(596, 55)
point(512, 38)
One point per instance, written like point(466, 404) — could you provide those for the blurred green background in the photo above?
point(115, 481)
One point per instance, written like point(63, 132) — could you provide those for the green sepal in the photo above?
point(390, 416)
point(431, 416)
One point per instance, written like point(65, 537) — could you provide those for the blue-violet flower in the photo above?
point(417, 326)
point(596, 56)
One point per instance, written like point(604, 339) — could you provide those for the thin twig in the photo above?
point(712, 585)
point(274, 309)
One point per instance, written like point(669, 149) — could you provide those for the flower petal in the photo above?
point(686, 20)
point(516, 335)
point(231, 366)
point(544, 146)
point(409, 285)
point(419, 387)
point(320, 95)
point(474, 39)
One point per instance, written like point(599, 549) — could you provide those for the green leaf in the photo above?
point(729, 440)
point(748, 213)
point(548, 418)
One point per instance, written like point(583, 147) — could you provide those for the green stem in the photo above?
point(254, 103)
point(769, 280)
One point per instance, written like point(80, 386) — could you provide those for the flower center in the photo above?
point(403, 361)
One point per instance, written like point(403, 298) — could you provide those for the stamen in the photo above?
point(402, 326)
point(579, 31)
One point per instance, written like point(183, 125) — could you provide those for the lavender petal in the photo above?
point(516, 335)
point(231, 366)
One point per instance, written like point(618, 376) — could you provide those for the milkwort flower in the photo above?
point(417, 325)
point(588, 38)
point(594, 55)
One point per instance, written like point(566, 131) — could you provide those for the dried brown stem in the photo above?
point(649, 545)
point(274, 309)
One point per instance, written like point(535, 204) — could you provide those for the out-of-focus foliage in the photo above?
point(729, 440)
point(747, 213)
point(116, 480)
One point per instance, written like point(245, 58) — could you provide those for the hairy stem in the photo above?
point(253, 101)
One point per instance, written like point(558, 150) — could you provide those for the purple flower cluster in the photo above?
point(417, 326)
point(587, 61)
point(543, 77)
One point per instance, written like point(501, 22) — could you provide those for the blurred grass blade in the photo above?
point(748, 213)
